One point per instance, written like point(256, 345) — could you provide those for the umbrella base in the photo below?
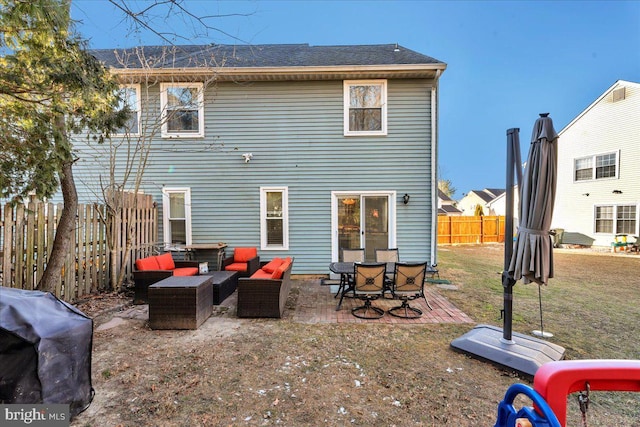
point(523, 353)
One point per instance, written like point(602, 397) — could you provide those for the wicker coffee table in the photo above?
point(224, 284)
point(180, 302)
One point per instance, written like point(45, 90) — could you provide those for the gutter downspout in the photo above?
point(434, 168)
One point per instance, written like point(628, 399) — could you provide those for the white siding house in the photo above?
point(468, 204)
point(498, 206)
point(598, 189)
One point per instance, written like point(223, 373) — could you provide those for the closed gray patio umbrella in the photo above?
point(532, 258)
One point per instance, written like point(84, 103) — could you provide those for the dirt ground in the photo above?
point(255, 372)
point(234, 371)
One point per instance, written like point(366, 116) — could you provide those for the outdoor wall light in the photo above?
point(617, 192)
point(405, 198)
point(585, 194)
point(247, 157)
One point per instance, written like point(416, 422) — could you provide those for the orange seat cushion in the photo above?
point(149, 263)
point(186, 271)
point(165, 261)
point(236, 266)
point(261, 274)
point(273, 265)
point(244, 254)
point(280, 270)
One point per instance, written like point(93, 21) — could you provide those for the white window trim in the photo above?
point(163, 105)
point(615, 207)
point(594, 158)
point(138, 107)
point(263, 218)
point(166, 191)
point(391, 195)
point(346, 103)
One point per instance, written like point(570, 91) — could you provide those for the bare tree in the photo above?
point(126, 155)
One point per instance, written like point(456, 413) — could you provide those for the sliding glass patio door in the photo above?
point(362, 221)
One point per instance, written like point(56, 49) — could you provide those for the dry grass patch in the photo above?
point(236, 372)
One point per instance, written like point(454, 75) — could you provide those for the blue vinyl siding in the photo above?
point(295, 132)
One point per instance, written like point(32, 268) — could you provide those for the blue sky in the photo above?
point(507, 61)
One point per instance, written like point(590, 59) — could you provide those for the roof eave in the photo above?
point(428, 71)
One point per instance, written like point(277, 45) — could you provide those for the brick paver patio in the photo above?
point(316, 304)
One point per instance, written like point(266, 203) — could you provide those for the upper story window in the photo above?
point(182, 110)
point(274, 218)
point(176, 217)
point(596, 167)
point(365, 107)
point(130, 97)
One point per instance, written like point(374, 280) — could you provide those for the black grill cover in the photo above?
point(45, 350)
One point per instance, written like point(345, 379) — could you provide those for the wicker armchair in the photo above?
point(244, 260)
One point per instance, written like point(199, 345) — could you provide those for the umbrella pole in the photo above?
point(540, 303)
point(513, 167)
point(541, 332)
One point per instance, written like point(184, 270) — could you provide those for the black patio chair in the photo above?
point(353, 255)
point(408, 285)
point(368, 286)
point(348, 255)
point(388, 255)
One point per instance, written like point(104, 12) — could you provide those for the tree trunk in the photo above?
point(67, 222)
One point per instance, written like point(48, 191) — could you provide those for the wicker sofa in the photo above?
point(265, 293)
point(152, 269)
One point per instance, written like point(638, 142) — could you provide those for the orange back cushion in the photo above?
point(149, 263)
point(280, 270)
point(244, 254)
point(186, 271)
point(273, 265)
point(165, 261)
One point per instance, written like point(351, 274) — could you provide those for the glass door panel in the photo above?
point(348, 222)
point(375, 216)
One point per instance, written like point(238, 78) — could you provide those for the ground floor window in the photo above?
point(616, 219)
point(274, 218)
point(176, 217)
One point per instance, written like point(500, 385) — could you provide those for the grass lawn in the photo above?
point(278, 372)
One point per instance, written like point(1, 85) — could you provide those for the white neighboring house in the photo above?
point(598, 189)
point(446, 205)
point(498, 205)
point(479, 197)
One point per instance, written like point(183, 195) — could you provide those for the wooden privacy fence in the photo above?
point(27, 233)
point(470, 229)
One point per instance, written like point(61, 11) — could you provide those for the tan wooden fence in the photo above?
point(470, 229)
point(27, 233)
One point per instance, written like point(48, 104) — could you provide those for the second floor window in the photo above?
point(365, 107)
point(130, 97)
point(596, 167)
point(182, 109)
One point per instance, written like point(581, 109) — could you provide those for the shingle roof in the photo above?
point(484, 195)
point(442, 196)
point(448, 209)
point(269, 55)
point(495, 191)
